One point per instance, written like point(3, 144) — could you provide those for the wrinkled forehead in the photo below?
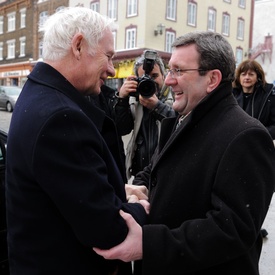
point(184, 55)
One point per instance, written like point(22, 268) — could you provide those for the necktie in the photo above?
point(181, 118)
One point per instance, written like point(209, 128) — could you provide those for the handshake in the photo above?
point(138, 194)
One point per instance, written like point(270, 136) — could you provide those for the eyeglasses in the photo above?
point(174, 73)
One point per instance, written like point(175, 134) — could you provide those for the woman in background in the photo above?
point(255, 96)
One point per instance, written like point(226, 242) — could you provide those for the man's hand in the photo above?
point(129, 86)
point(141, 192)
point(150, 102)
point(131, 248)
point(138, 194)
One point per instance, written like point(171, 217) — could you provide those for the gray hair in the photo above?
point(215, 52)
point(140, 60)
point(60, 28)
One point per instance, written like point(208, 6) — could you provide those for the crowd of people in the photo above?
point(201, 157)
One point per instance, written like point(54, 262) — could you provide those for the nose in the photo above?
point(111, 70)
point(169, 80)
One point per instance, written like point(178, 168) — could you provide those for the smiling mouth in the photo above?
point(178, 93)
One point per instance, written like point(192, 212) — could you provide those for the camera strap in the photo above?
point(164, 92)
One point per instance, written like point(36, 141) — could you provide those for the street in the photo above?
point(267, 261)
point(5, 118)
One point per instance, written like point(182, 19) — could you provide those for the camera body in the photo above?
point(146, 85)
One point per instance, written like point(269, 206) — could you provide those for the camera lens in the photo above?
point(146, 88)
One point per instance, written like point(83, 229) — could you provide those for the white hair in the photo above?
point(60, 28)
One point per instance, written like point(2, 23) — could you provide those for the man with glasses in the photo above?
point(211, 179)
point(142, 115)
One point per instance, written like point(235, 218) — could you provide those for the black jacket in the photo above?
point(64, 189)
point(145, 135)
point(261, 105)
point(106, 101)
point(211, 183)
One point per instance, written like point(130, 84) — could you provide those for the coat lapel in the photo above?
point(169, 136)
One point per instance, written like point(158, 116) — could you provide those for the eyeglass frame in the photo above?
point(175, 73)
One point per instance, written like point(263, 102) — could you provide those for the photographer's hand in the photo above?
point(129, 86)
point(150, 103)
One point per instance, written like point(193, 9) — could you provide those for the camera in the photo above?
point(146, 85)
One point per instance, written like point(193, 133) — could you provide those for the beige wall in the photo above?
point(151, 13)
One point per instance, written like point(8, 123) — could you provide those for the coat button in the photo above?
point(153, 182)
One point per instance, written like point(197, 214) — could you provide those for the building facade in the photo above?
point(143, 24)
point(146, 24)
point(20, 36)
point(263, 32)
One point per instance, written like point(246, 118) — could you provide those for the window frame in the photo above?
point(10, 48)
point(130, 42)
point(242, 4)
point(192, 13)
point(23, 14)
point(239, 55)
point(171, 9)
point(11, 17)
point(22, 46)
point(240, 29)
point(112, 9)
point(213, 20)
point(132, 8)
point(225, 24)
point(170, 36)
point(95, 6)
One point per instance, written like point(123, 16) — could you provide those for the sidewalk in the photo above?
point(267, 261)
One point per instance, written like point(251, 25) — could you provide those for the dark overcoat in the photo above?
point(211, 184)
point(64, 189)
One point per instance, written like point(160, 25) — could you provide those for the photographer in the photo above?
point(143, 102)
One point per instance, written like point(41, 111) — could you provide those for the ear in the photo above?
point(77, 44)
point(215, 77)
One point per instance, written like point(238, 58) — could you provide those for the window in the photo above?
point(40, 49)
point(114, 37)
point(171, 9)
point(94, 6)
point(11, 48)
point(131, 38)
point(211, 23)
point(1, 24)
point(1, 50)
point(112, 9)
point(43, 16)
point(192, 13)
point(240, 30)
point(23, 18)
point(131, 8)
point(169, 39)
point(225, 24)
point(239, 56)
point(242, 4)
point(11, 21)
point(22, 46)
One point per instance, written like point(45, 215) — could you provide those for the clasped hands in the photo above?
point(131, 248)
point(138, 194)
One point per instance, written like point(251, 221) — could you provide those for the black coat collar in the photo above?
point(46, 75)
